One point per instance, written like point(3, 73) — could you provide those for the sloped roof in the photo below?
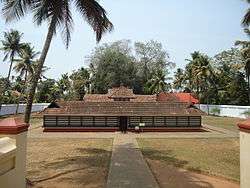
point(126, 108)
point(164, 104)
point(121, 92)
point(177, 97)
point(106, 98)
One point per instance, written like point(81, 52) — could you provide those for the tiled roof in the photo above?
point(121, 92)
point(164, 104)
point(126, 108)
point(106, 98)
point(177, 97)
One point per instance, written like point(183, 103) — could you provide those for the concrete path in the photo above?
point(128, 169)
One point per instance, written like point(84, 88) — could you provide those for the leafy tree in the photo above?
point(24, 66)
point(151, 57)
point(245, 52)
point(179, 79)
point(11, 47)
point(157, 83)
point(112, 65)
point(199, 73)
point(81, 83)
point(47, 91)
point(57, 14)
point(64, 86)
point(246, 18)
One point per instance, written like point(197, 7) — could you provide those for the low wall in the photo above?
point(225, 110)
point(8, 109)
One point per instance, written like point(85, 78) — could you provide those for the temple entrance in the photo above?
point(123, 123)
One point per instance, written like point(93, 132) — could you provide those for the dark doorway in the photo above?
point(123, 123)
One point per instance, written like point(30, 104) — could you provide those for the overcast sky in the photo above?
point(208, 26)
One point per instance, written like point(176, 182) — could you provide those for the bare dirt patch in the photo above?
point(66, 163)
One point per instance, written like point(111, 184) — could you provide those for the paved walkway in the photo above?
point(128, 169)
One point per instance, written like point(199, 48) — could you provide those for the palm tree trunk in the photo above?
point(22, 91)
point(11, 64)
point(36, 76)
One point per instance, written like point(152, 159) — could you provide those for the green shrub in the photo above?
point(246, 113)
point(215, 111)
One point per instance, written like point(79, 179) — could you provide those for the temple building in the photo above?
point(120, 107)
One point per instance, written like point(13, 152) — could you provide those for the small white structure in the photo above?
point(13, 153)
point(244, 154)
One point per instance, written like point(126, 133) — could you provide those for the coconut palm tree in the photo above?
point(157, 83)
point(246, 18)
point(57, 14)
point(245, 52)
point(179, 79)
point(199, 73)
point(24, 66)
point(11, 46)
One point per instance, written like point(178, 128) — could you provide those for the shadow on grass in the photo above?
point(74, 169)
point(171, 174)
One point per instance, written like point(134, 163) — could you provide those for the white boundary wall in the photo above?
point(8, 109)
point(225, 110)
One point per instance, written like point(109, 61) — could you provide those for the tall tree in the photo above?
point(11, 46)
point(199, 74)
point(245, 52)
point(179, 79)
point(151, 56)
point(64, 86)
point(57, 14)
point(80, 83)
point(246, 18)
point(112, 65)
point(157, 83)
point(24, 66)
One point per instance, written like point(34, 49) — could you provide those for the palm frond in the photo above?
point(15, 9)
point(95, 15)
point(246, 18)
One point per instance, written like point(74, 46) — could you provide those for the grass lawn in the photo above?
point(223, 122)
point(218, 157)
point(59, 162)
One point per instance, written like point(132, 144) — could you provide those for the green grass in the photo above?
point(228, 123)
point(219, 157)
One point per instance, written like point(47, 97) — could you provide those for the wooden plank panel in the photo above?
point(182, 121)
point(100, 121)
point(87, 121)
point(171, 121)
point(134, 121)
point(195, 121)
point(148, 121)
point(75, 121)
point(159, 121)
point(112, 121)
point(62, 121)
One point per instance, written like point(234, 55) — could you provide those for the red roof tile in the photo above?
point(177, 97)
point(121, 92)
point(126, 108)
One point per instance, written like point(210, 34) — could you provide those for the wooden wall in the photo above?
point(112, 121)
